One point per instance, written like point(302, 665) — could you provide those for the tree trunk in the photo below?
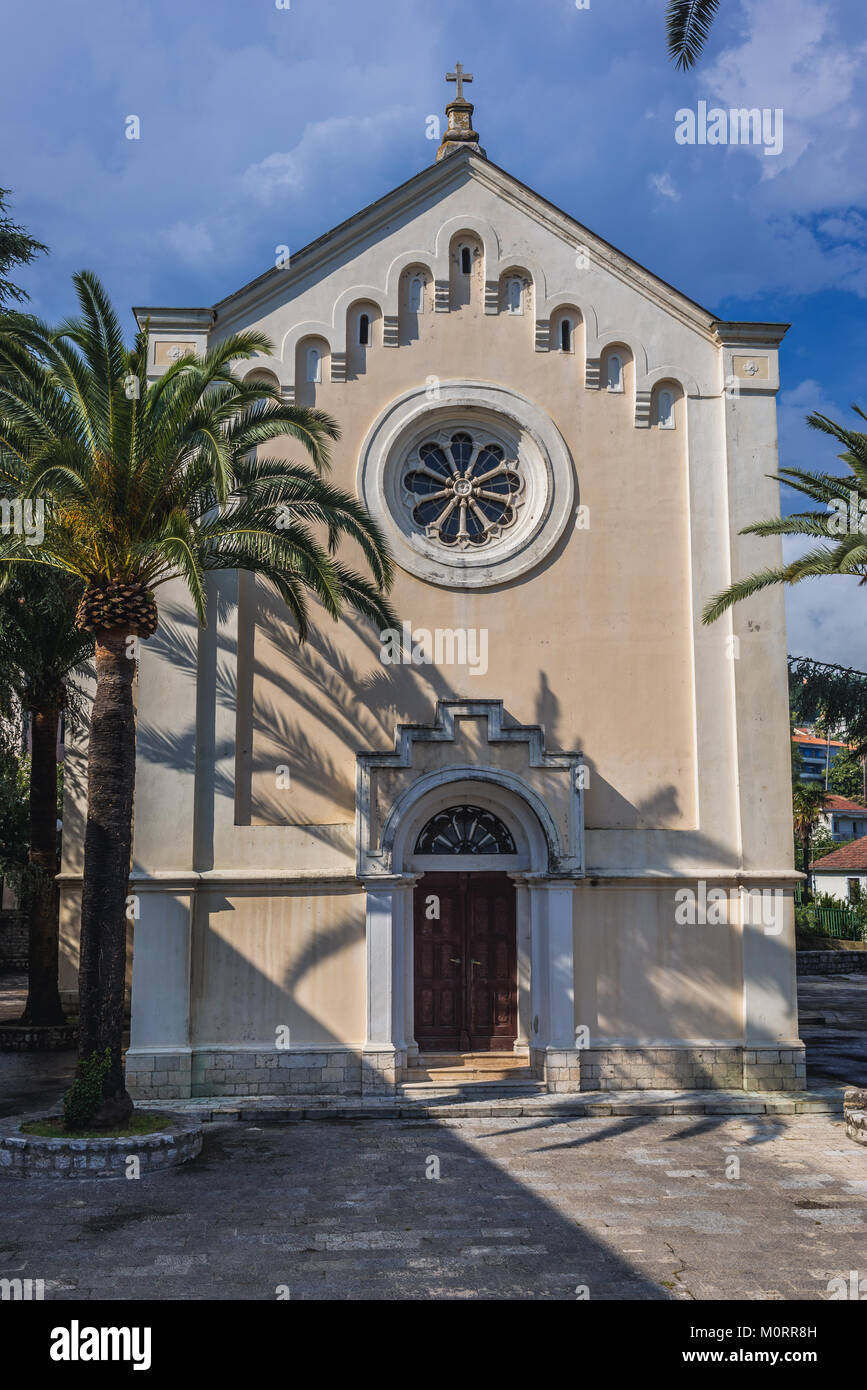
point(107, 843)
point(43, 997)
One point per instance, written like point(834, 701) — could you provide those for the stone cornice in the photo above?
point(736, 334)
point(175, 320)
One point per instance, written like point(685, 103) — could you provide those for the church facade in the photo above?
point(546, 818)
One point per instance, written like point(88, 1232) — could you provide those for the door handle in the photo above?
point(455, 960)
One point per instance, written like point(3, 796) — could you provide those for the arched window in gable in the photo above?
point(466, 261)
point(615, 372)
point(314, 364)
point(566, 335)
point(416, 295)
point(364, 330)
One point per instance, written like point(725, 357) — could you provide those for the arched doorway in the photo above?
point(465, 946)
point(398, 813)
point(466, 963)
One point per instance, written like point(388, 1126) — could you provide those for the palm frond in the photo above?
point(688, 26)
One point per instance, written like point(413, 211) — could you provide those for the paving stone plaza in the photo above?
point(537, 1206)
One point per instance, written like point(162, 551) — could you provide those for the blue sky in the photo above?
point(263, 126)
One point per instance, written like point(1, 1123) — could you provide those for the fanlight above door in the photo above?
point(465, 830)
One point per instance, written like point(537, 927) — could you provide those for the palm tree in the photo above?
point(808, 803)
point(845, 549)
point(40, 650)
point(144, 484)
point(688, 24)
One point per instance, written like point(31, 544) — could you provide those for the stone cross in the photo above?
point(460, 77)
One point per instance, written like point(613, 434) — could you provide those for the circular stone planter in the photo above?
point(855, 1114)
point(31, 1156)
point(25, 1037)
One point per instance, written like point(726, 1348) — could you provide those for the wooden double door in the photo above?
point(466, 963)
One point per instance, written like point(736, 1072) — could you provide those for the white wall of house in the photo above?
point(839, 885)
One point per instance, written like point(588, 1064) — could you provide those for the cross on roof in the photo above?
point(460, 77)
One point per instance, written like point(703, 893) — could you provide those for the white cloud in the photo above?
point(825, 617)
point(795, 59)
point(662, 184)
point(325, 148)
point(192, 242)
point(801, 446)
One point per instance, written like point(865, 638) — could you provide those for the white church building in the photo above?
point(363, 856)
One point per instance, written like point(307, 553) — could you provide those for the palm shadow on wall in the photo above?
point(320, 682)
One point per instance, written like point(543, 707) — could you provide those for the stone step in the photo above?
point(447, 1076)
point(472, 1090)
point(474, 1061)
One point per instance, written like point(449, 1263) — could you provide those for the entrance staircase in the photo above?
point(470, 1074)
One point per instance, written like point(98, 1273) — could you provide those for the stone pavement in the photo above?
point(710, 1207)
point(833, 1026)
point(632, 1206)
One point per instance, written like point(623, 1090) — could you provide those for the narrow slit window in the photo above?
point(314, 364)
point(666, 410)
point(364, 330)
point(515, 296)
point(566, 336)
point(466, 260)
point(416, 295)
point(615, 372)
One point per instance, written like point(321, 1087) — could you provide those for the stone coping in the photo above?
point(449, 1104)
point(30, 1037)
point(37, 1156)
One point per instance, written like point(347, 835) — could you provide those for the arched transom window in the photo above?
point(465, 830)
point(463, 490)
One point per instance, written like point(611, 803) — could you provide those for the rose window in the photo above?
point(463, 491)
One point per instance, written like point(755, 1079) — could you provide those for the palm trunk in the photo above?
point(805, 848)
point(107, 842)
point(43, 997)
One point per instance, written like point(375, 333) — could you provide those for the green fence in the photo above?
point(830, 921)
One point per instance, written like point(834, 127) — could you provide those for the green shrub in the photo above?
point(82, 1100)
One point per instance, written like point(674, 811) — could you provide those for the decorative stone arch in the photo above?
point(567, 300)
point(472, 226)
point(683, 379)
point(599, 346)
point(271, 367)
point(537, 839)
point(357, 294)
point(508, 274)
point(289, 348)
point(567, 311)
point(304, 390)
point(548, 315)
point(647, 389)
point(409, 260)
point(359, 308)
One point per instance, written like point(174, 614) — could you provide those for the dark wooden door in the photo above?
point(466, 986)
point(493, 964)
